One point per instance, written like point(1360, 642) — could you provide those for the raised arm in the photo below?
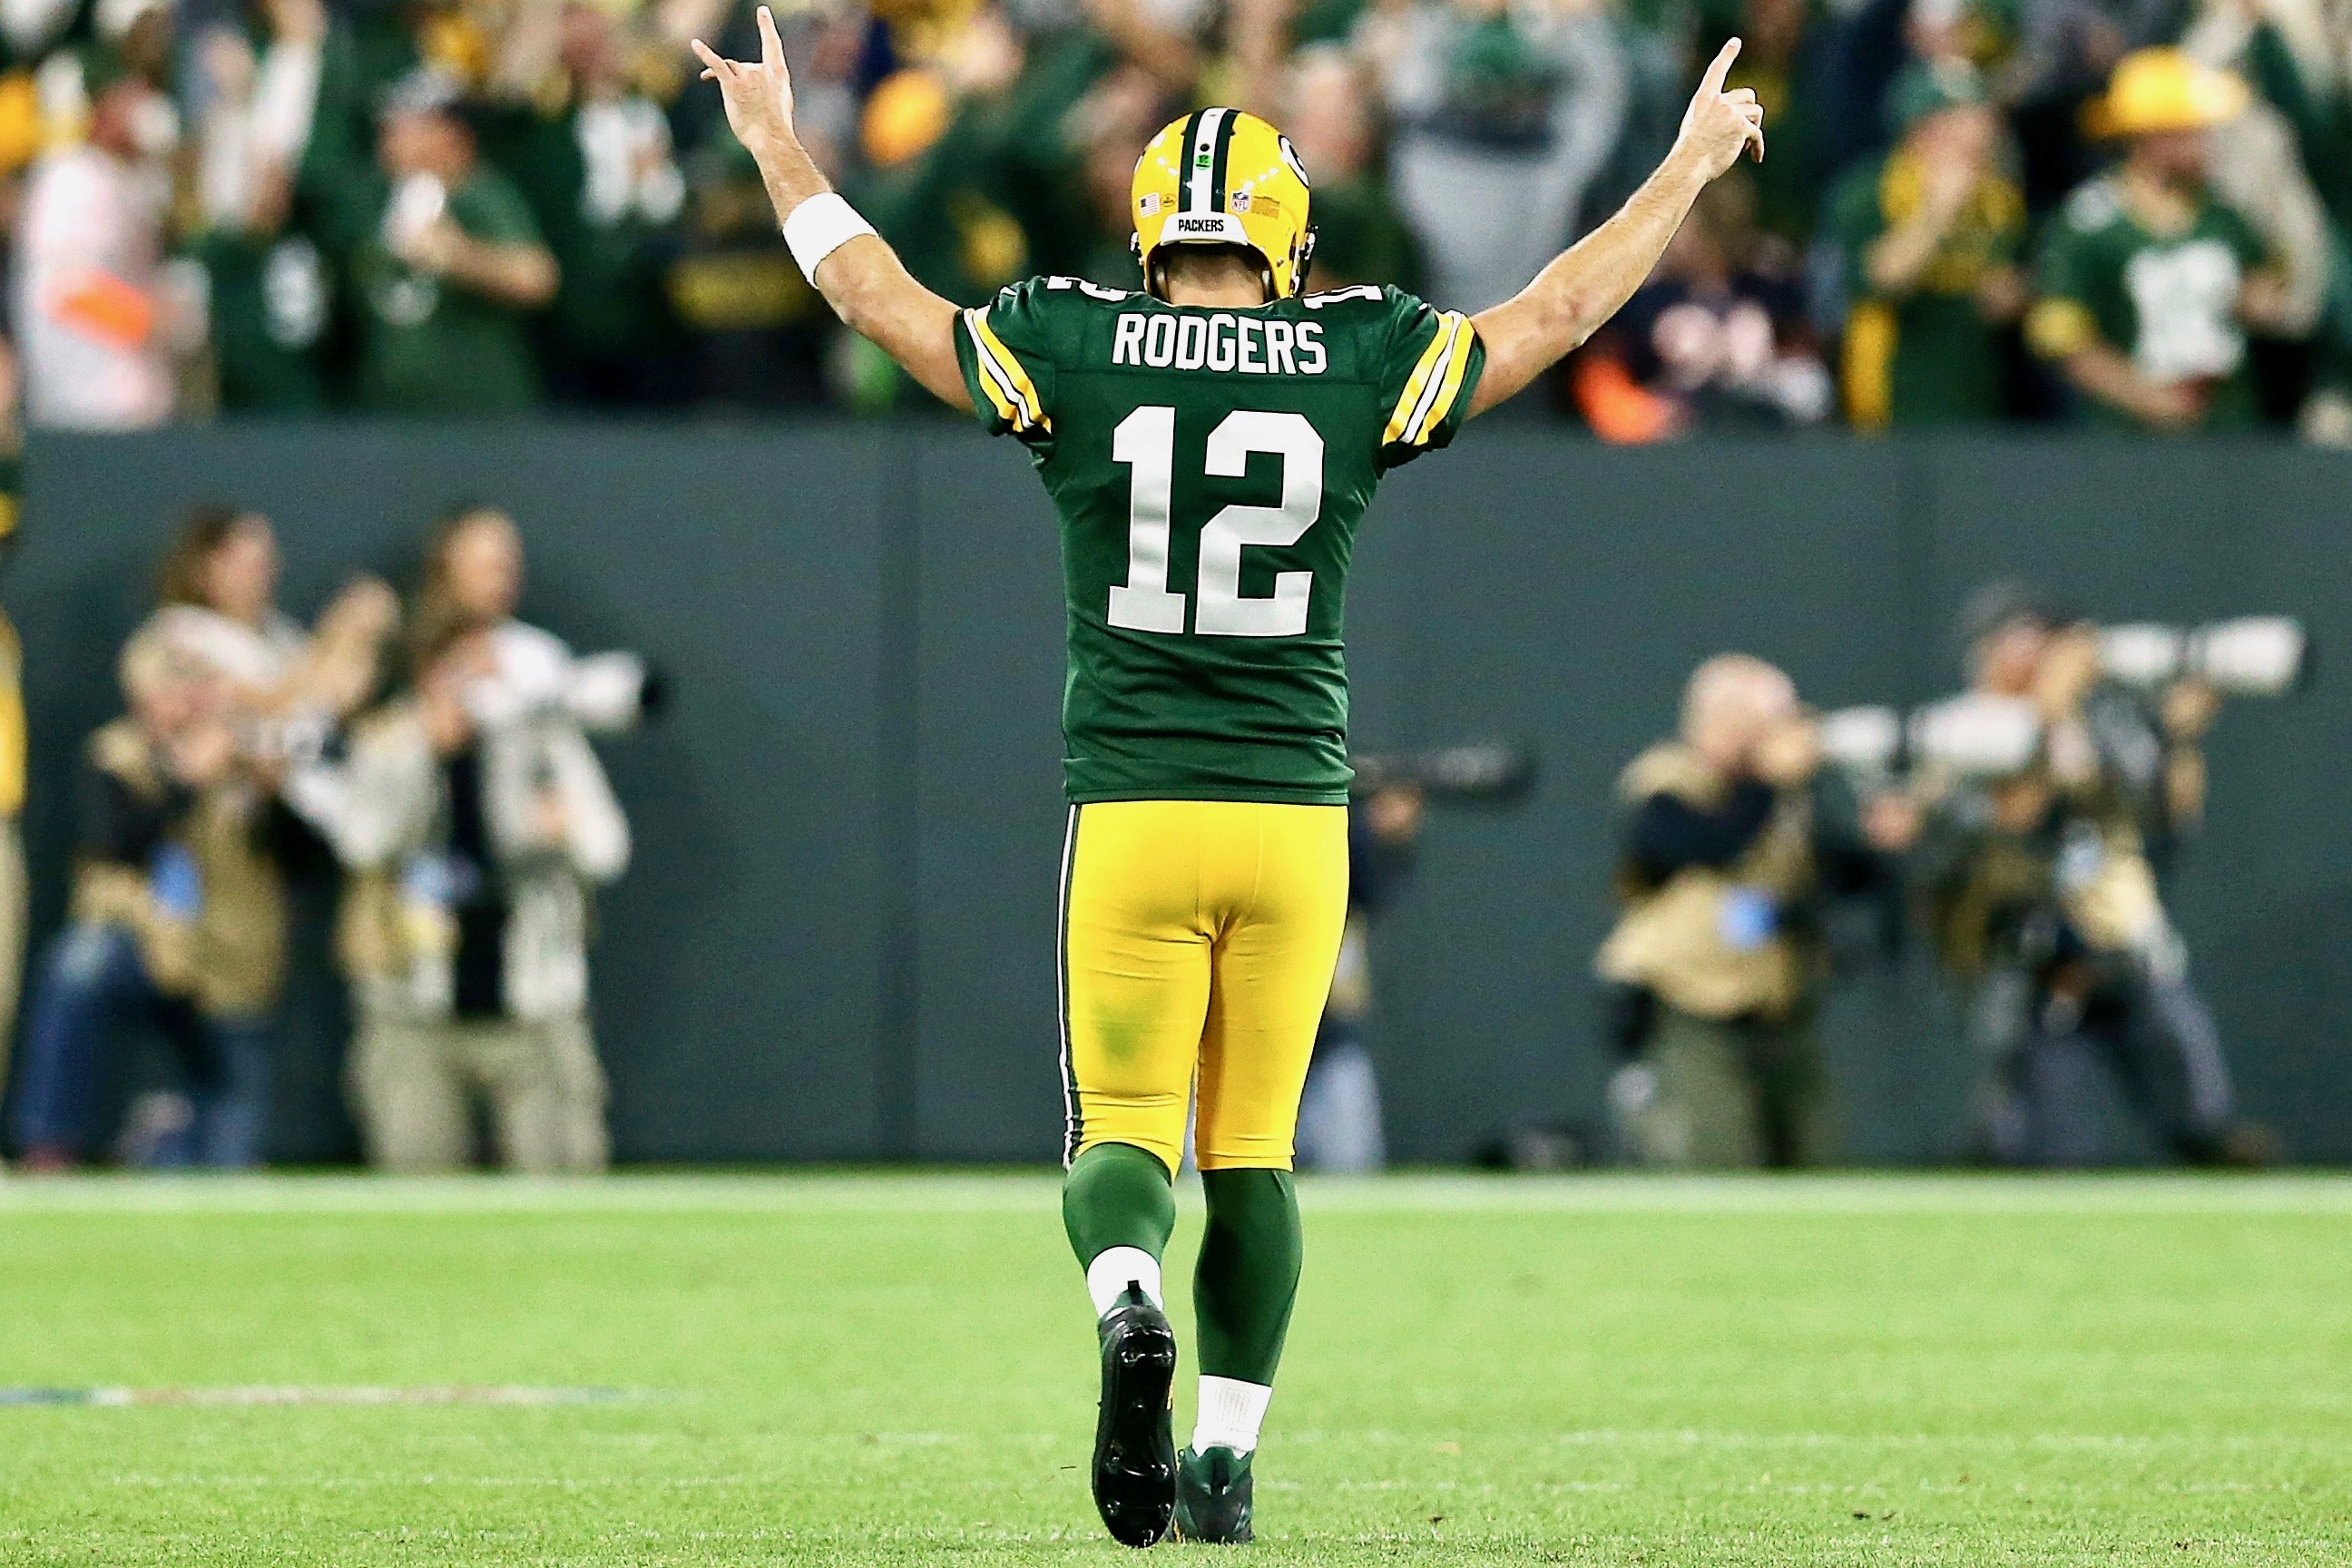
point(863, 279)
point(1585, 285)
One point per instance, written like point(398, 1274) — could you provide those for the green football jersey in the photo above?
point(2170, 302)
point(1209, 467)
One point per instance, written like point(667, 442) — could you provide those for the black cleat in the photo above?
point(1135, 1451)
point(1212, 1497)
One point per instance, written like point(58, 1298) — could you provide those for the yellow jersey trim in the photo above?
point(1457, 362)
point(1436, 380)
point(1000, 375)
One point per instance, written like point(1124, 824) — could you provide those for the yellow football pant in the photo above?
point(1198, 940)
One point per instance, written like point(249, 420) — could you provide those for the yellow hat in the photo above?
point(2164, 89)
point(1221, 177)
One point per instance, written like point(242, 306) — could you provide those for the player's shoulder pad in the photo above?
point(1037, 311)
point(1357, 298)
point(1058, 284)
point(1054, 296)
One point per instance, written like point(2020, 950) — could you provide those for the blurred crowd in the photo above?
point(430, 762)
point(2128, 211)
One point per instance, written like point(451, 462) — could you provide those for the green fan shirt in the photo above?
point(432, 347)
point(1210, 467)
point(2170, 302)
point(1934, 359)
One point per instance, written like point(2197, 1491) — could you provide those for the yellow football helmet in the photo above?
point(1220, 176)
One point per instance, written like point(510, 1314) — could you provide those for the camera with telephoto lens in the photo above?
point(537, 676)
point(1974, 736)
point(1491, 774)
point(2253, 656)
point(1979, 735)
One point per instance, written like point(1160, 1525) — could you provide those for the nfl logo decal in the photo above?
point(1241, 202)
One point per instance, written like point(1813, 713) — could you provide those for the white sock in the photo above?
point(1231, 1413)
point(1114, 1269)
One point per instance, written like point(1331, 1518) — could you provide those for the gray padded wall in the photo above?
point(836, 942)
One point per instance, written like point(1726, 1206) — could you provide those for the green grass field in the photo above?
point(898, 1369)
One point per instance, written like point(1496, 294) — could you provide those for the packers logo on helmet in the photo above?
point(1220, 176)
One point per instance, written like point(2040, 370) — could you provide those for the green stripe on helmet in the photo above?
point(1184, 160)
point(1224, 152)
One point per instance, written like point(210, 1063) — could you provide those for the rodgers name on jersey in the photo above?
point(1209, 468)
point(1221, 342)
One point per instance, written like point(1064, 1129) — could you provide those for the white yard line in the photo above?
point(804, 1193)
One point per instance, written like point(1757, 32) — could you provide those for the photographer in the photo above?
point(1734, 838)
point(178, 919)
point(1339, 1111)
point(217, 603)
point(2041, 883)
point(474, 819)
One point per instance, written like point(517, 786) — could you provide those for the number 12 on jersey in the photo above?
point(1145, 442)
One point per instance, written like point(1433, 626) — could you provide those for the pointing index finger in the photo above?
point(1713, 80)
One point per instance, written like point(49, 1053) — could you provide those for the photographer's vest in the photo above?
point(230, 959)
point(1714, 943)
point(2098, 877)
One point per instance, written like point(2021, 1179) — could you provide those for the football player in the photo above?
point(1209, 444)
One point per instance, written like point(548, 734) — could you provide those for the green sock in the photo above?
point(1248, 1273)
point(1118, 1196)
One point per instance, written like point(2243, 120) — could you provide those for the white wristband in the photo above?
point(819, 227)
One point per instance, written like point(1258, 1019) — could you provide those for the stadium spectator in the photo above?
point(1734, 837)
point(590, 150)
point(475, 821)
point(1504, 115)
point(178, 921)
point(1928, 240)
point(1330, 114)
point(2296, 56)
point(752, 330)
point(2147, 285)
point(1107, 128)
point(2044, 903)
point(93, 314)
point(267, 283)
point(946, 148)
point(1782, 43)
point(2257, 165)
point(1718, 339)
point(448, 277)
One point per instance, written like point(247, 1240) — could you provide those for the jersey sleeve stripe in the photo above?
point(992, 379)
point(1428, 379)
point(1417, 429)
point(1457, 361)
point(1009, 386)
point(1010, 376)
point(1416, 386)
